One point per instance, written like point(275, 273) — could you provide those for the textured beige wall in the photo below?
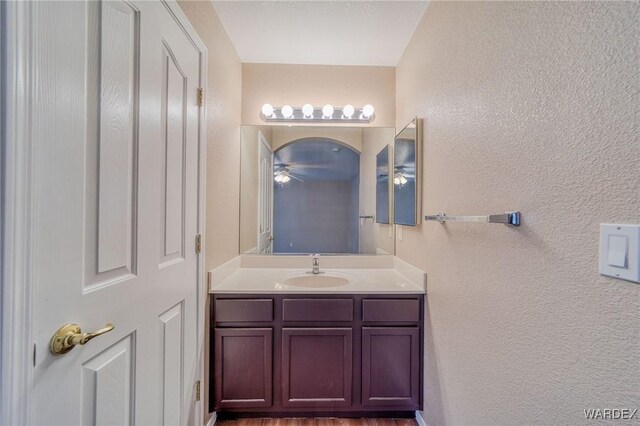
point(223, 148)
point(318, 85)
point(530, 106)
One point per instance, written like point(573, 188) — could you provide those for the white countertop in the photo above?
point(272, 280)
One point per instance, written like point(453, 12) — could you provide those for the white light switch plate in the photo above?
point(620, 251)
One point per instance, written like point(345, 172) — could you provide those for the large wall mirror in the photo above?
point(312, 190)
point(406, 174)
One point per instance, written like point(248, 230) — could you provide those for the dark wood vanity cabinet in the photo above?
point(316, 354)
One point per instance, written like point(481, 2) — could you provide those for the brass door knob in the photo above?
point(70, 335)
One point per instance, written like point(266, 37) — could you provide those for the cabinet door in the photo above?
point(243, 367)
point(391, 366)
point(316, 367)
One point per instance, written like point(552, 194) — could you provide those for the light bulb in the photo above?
point(287, 111)
point(307, 110)
point(399, 179)
point(348, 111)
point(367, 110)
point(327, 111)
point(281, 177)
point(267, 110)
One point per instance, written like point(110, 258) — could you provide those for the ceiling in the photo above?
point(318, 159)
point(320, 32)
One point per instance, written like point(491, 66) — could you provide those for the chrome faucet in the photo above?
point(316, 264)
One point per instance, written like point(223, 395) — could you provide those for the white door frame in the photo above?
point(18, 203)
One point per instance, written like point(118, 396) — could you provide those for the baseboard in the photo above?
point(419, 419)
point(212, 420)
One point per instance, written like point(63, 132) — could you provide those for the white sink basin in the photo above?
point(316, 281)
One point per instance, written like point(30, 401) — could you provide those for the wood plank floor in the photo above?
point(333, 421)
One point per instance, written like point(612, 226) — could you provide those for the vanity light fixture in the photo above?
point(309, 113)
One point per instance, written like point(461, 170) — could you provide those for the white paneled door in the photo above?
point(116, 199)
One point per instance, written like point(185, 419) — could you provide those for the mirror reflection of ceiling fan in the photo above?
point(401, 176)
point(399, 179)
point(302, 165)
point(282, 174)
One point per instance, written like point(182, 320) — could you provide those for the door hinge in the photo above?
point(198, 390)
point(198, 244)
point(200, 96)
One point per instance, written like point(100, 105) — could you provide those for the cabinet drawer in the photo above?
point(391, 310)
point(243, 310)
point(317, 310)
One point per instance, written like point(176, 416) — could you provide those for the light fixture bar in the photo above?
point(318, 116)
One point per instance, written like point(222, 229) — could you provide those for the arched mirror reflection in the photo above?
point(316, 188)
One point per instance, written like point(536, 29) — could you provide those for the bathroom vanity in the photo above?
point(351, 350)
point(293, 333)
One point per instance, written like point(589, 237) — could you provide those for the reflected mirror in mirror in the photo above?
point(406, 176)
point(311, 190)
point(383, 206)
